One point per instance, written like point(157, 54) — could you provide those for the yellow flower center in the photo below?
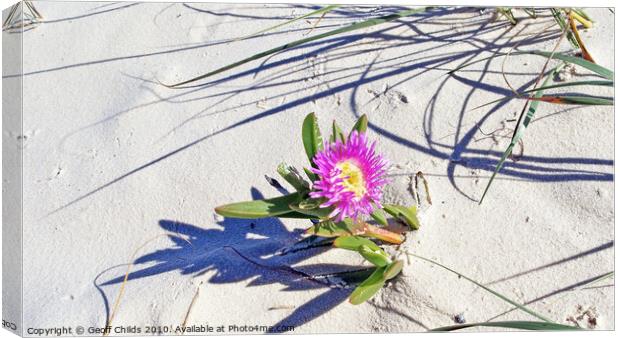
point(352, 178)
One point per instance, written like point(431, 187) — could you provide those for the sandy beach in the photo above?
point(120, 169)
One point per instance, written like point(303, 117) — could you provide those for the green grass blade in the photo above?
point(602, 83)
point(322, 10)
point(518, 133)
point(598, 69)
point(575, 100)
point(560, 19)
point(497, 294)
point(521, 325)
point(350, 28)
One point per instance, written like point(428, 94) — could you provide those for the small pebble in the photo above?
point(459, 319)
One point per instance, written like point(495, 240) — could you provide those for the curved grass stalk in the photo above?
point(322, 11)
point(517, 324)
point(582, 17)
point(519, 130)
point(584, 51)
point(593, 67)
point(350, 28)
point(495, 293)
point(602, 83)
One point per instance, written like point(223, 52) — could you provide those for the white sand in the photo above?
point(113, 159)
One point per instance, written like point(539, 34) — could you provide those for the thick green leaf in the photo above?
point(337, 133)
point(342, 30)
point(259, 208)
point(292, 176)
point(354, 242)
point(312, 176)
point(377, 257)
point(517, 324)
point(311, 207)
point(393, 270)
point(330, 228)
point(379, 216)
point(310, 203)
point(404, 214)
point(311, 136)
point(368, 288)
point(361, 125)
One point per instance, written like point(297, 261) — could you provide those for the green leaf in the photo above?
point(311, 135)
point(286, 46)
point(337, 133)
point(354, 242)
point(330, 228)
point(377, 257)
point(517, 324)
point(368, 288)
point(379, 216)
point(404, 214)
point(259, 208)
point(361, 125)
point(393, 270)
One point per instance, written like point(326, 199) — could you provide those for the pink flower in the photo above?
point(351, 177)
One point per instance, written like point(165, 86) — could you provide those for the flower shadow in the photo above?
point(238, 251)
